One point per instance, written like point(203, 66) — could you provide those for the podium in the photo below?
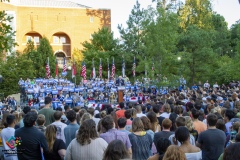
point(120, 93)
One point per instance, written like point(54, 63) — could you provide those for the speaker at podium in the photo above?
point(120, 93)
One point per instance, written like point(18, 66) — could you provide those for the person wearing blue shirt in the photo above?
point(194, 87)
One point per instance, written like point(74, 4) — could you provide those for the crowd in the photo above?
point(201, 123)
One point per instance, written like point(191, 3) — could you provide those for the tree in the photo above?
point(77, 56)
point(40, 58)
point(197, 55)
point(104, 46)
point(6, 34)
point(196, 12)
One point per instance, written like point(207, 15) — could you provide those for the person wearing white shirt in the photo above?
point(139, 111)
point(215, 85)
point(206, 85)
point(6, 134)
point(60, 126)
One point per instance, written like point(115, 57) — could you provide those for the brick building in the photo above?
point(64, 23)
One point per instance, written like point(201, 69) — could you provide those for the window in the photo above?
point(29, 38)
point(36, 39)
point(91, 19)
point(55, 39)
point(62, 39)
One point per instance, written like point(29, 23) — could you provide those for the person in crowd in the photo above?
point(190, 127)
point(6, 134)
point(122, 124)
point(231, 152)
point(141, 141)
point(70, 130)
point(162, 144)
point(128, 115)
point(174, 153)
point(155, 127)
point(47, 111)
point(56, 147)
point(147, 126)
point(112, 133)
point(211, 141)
point(4, 123)
point(120, 113)
point(33, 142)
point(40, 123)
point(165, 133)
point(26, 109)
point(18, 117)
point(198, 125)
point(229, 114)
point(87, 144)
point(192, 152)
point(139, 111)
point(166, 111)
point(181, 121)
point(91, 111)
point(60, 126)
point(116, 150)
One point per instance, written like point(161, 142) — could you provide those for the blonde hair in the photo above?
point(50, 134)
point(85, 117)
point(174, 153)
point(18, 116)
point(189, 123)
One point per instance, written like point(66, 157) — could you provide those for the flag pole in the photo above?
point(108, 68)
point(135, 70)
point(75, 67)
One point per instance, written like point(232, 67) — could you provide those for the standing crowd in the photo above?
point(198, 124)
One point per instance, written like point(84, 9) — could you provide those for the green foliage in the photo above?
point(6, 34)
point(104, 46)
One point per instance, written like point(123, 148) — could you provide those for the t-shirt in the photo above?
point(93, 151)
point(41, 128)
point(48, 113)
point(212, 143)
point(194, 156)
point(57, 145)
point(228, 125)
point(128, 126)
point(199, 126)
point(31, 140)
point(120, 113)
point(5, 135)
point(60, 130)
point(162, 134)
point(113, 134)
point(192, 140)
point(141, 146)
point(70, 132)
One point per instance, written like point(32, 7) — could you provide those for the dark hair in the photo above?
point(130, 105)
point(26, 109)
point(180, 121)
point(116, 150)
point(128, 113)
point(122, 122)
point(162, 144)
point(212, 119)
point(182, 134)
point(195, 113)
point(91, 111)
point(47, 100)
point(107, 122)
point(178, 110)
point(232, 152)
point(71, 115)
point(59, 109)
point(198, 105)
point(66, 107)
point(221, 125)
point(87, 132)
point(57, 115)
point(30, 118)
point(10, 119)
point(121, 105)
point(153, 120)
point(237, 138)
point(173, 117)
point(229, 114)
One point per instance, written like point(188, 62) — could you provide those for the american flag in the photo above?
point(134, 68)
point(48, 69)
point(84, 71)
point(100, 69)
point(64, 65)
point(113, 69)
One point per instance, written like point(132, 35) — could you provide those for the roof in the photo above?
point(47, 3)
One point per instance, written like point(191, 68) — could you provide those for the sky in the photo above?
point(121, 9)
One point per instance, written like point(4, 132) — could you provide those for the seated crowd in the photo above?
point(192, 125)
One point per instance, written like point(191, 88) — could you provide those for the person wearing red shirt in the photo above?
point(120, 113)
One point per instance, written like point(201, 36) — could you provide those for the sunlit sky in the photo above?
point(120, 9)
